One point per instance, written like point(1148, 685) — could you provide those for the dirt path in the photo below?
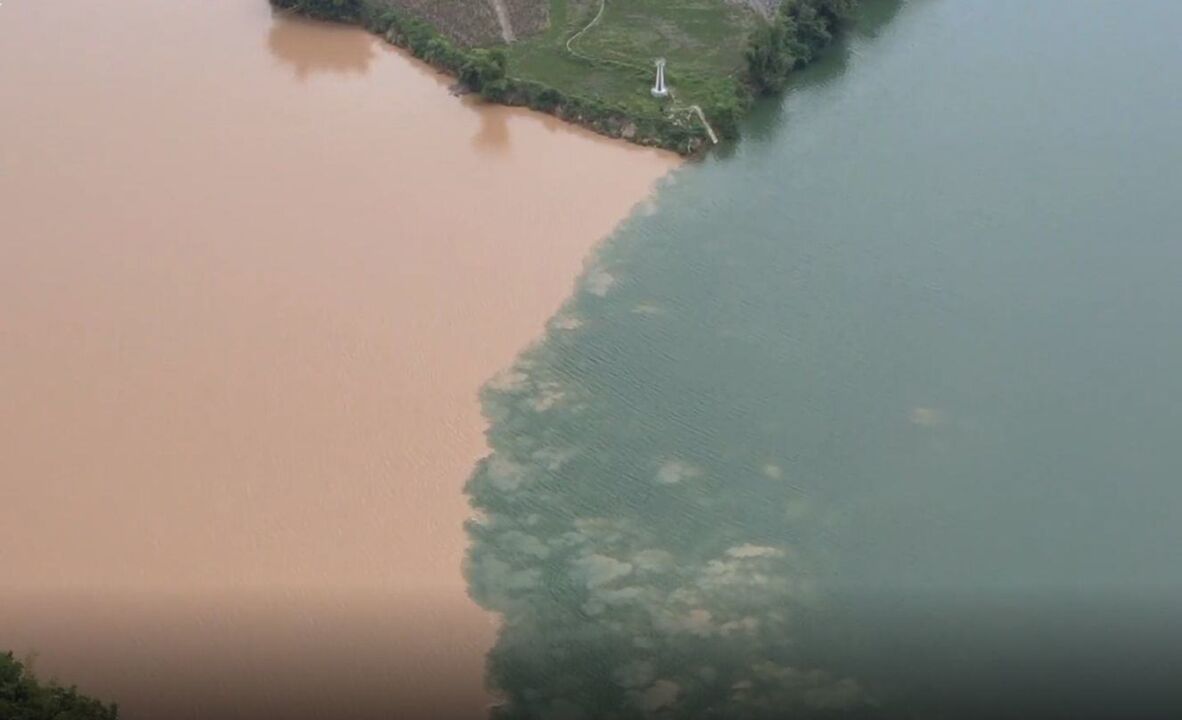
point(569, 43)
point(503, 18)
point(694, 109)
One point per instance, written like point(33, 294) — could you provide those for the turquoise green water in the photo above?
point(877, 413)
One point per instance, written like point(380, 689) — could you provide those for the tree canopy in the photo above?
point(325, 9)
point(23, 697)
point(792, 38)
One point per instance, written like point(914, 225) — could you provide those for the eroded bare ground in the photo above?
point(474, 22)
point(468, 22)
point(766, 8)
point(529, 16)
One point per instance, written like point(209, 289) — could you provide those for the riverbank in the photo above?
point(591, 63)
point(245, 316)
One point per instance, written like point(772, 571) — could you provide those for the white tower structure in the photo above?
point(659, 89)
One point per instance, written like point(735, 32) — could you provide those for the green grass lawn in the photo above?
point(703, 41)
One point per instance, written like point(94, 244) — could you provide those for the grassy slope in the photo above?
point(598, 74)
point(703, 41)
point(602, 95)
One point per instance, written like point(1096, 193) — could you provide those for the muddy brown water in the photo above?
point(255, 271)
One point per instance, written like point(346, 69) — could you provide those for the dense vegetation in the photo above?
point(793, 38)
point(23, 697)
point(602, 80)
point(342, 10)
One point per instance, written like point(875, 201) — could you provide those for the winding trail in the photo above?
point(695, 109)
point(569, 43)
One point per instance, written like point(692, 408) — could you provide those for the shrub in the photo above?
point(343, 10)
point(792, 38)
point(484, 68)
point(23, 697)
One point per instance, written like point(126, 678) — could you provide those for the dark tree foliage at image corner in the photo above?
point(24, 697)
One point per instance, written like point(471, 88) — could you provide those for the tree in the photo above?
point(484, 70)
point(324, 9)
point(23, 697)
point(792, 38)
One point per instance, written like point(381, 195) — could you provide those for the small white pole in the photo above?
point(659, 89)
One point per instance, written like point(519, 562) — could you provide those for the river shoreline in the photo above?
point(781, 44)
point(246, 319)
